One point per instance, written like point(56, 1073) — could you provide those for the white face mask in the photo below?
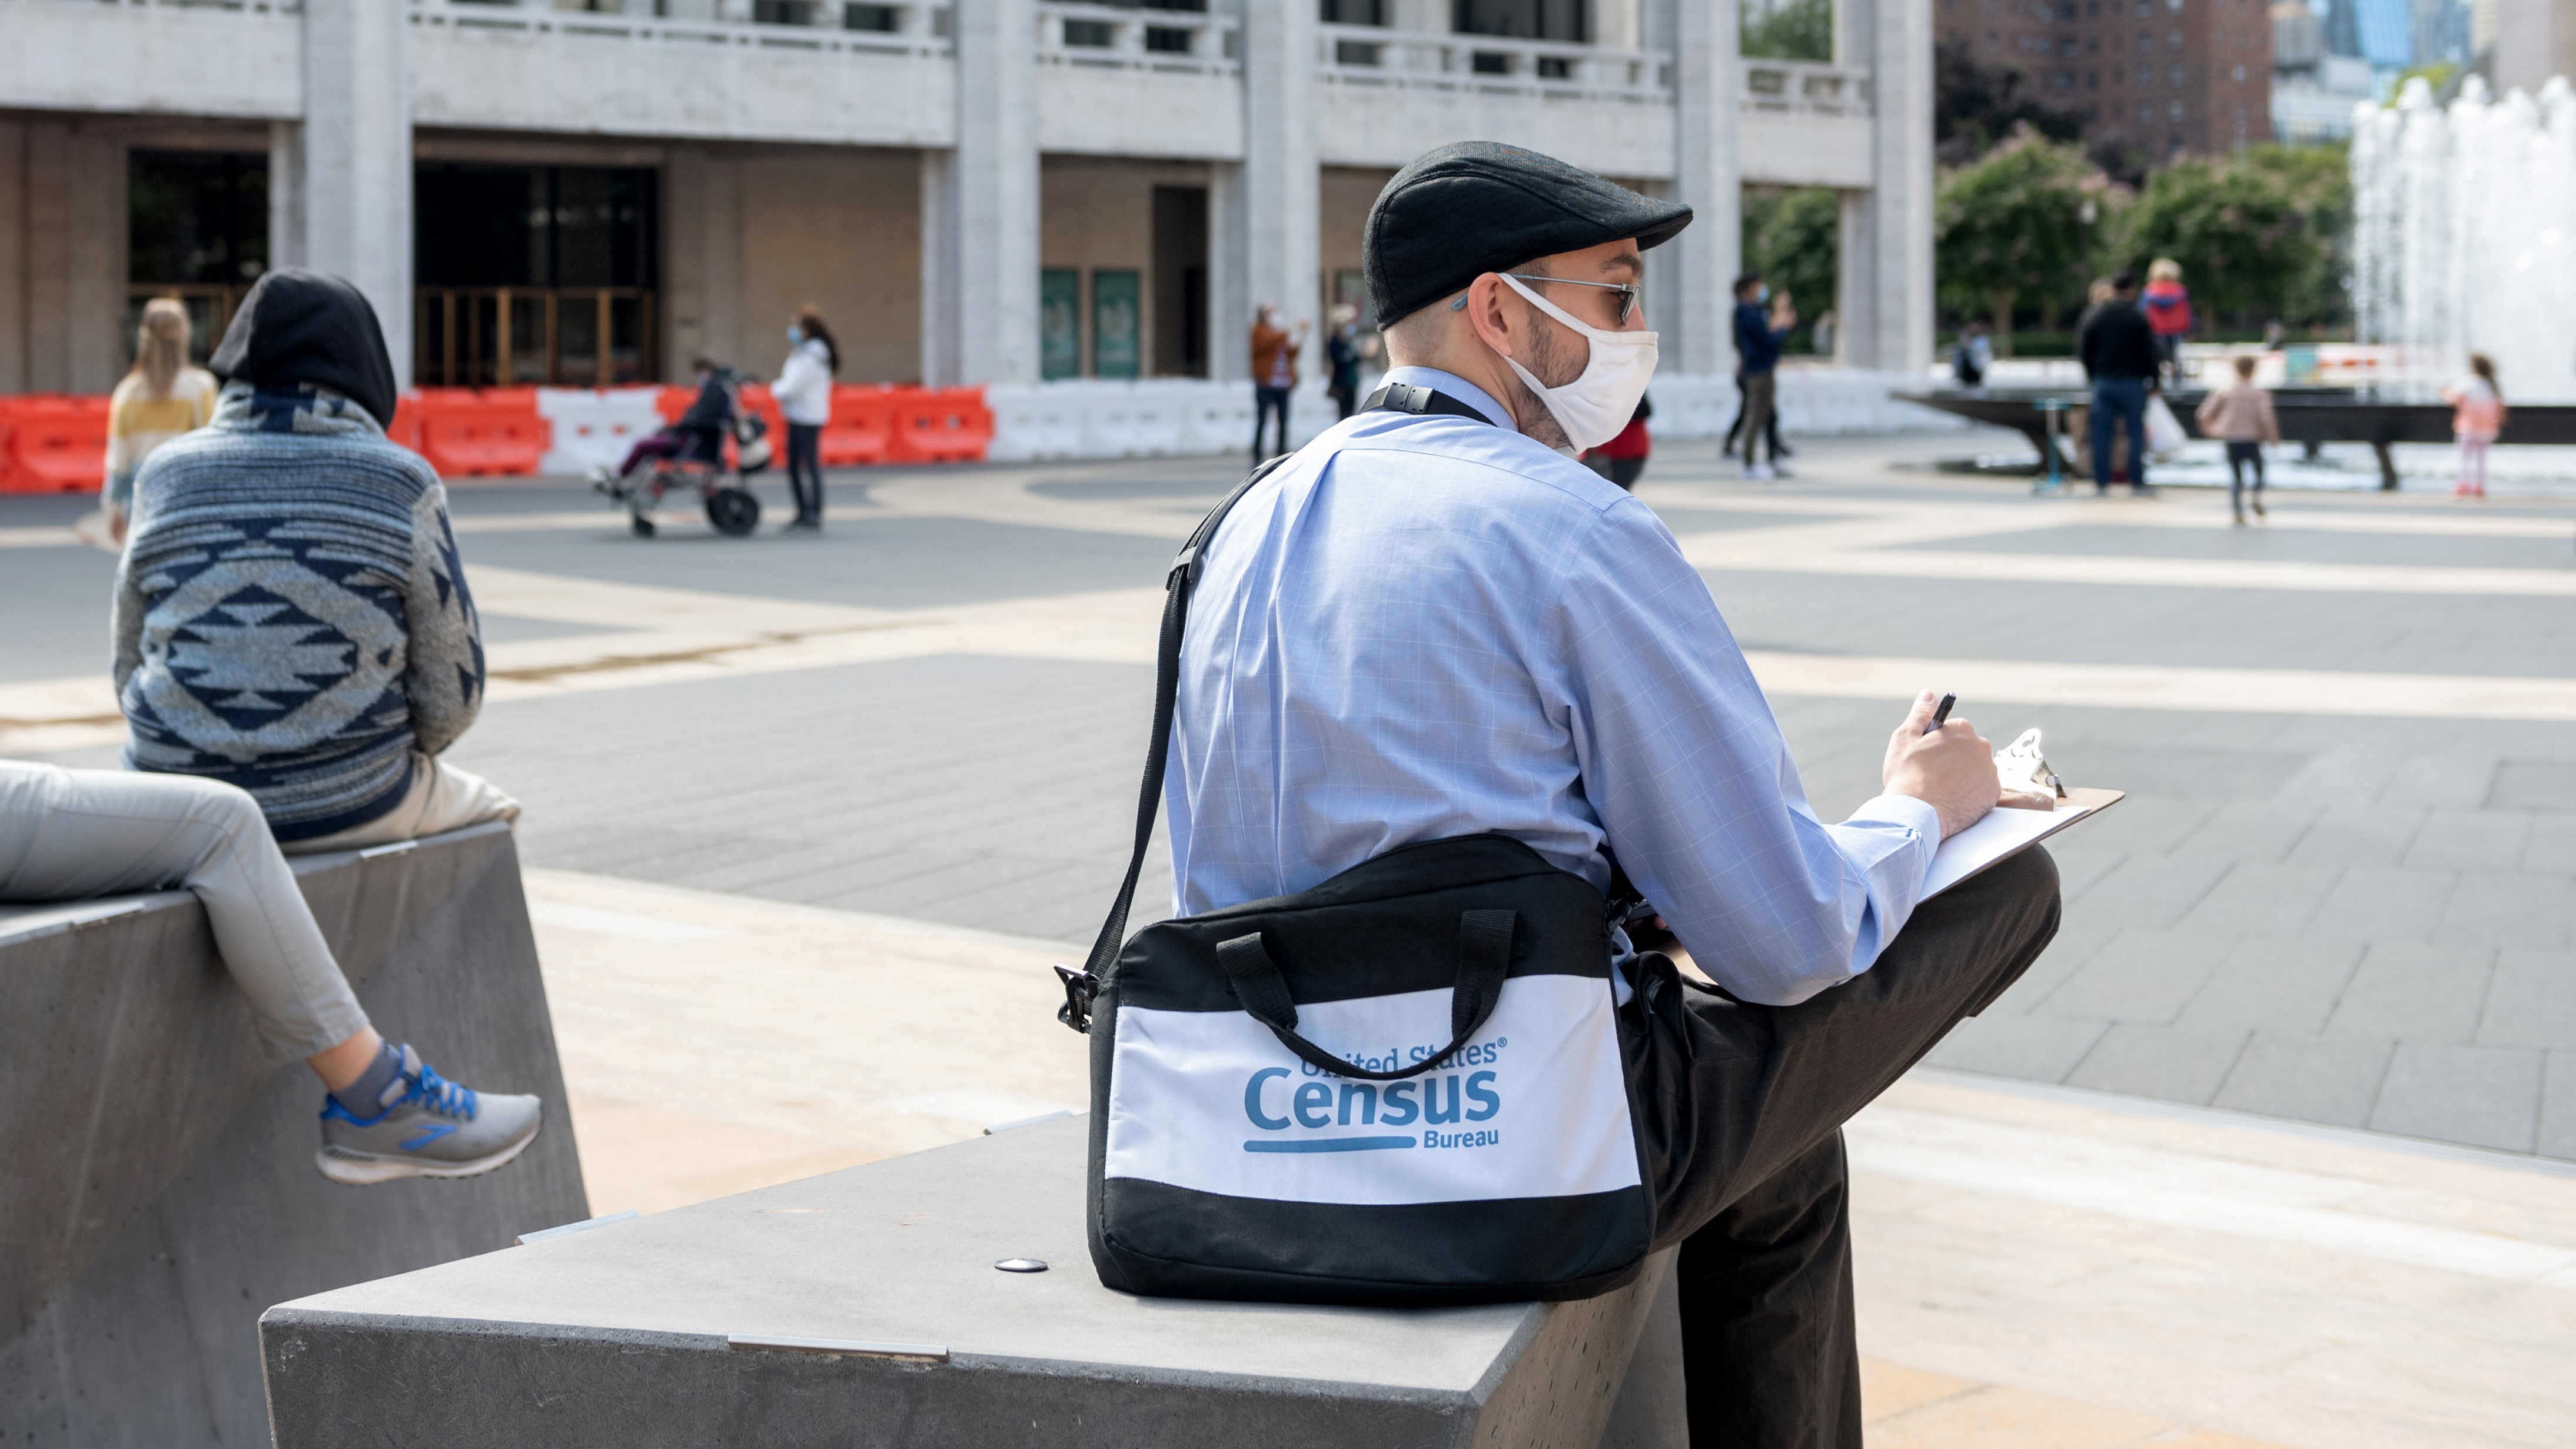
point(1596, 406)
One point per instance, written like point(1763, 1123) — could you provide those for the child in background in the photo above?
point(2168, 309)
point(2241, 416)
point(2477, 415)
point(159, 398)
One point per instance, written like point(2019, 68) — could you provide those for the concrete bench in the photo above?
point(863, 1307)
point(158, 1165)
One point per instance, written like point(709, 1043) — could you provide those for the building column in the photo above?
point(1697, 269)
point(979, 212)
point(702, 264)
point(13, 257)
point(350, 214)
point(1886, 293)
point(1265, 229)
point(72, 257)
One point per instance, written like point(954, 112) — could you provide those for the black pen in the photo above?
point(1941, 713)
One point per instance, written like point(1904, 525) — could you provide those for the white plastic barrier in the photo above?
point(595, 426)
point(1168, 417)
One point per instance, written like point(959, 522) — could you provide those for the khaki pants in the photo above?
point(441, 798)
point(70, 835)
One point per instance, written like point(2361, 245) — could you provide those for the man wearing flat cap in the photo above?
point(1432, 622)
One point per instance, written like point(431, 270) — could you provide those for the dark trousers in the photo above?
point(2121, 400)
point(805, 470)
point(1346, 396)
point(1626, 471)
point(1265, 400)
point(1757, 419)
point(2240, 457)
point(1748, 1104)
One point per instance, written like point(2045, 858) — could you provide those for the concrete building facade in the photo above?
point(977, 191)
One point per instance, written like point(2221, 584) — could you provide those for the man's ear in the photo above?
point(1487, 315)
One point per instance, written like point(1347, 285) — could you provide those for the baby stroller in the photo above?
point(691, 452)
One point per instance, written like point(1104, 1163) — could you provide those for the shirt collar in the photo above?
point(1457, 387)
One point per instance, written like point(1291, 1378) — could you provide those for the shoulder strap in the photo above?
point(1079, 987)
point(1405, 397)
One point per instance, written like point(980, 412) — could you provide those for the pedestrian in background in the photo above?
point(2477, 416)
point(1274, 374)
point(1758, 335)
point(2168, 309)
point(804, 394)
point(2118, 349)
point(1342, 357)
point(160, 397)
point(1974, 354)
point(2240, 415)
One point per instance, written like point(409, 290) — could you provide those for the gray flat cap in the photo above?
point(1478, 206)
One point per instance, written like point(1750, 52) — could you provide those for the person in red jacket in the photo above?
point(2168, 309)
point(1623, 458)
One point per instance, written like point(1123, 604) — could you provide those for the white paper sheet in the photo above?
point(2000, 834)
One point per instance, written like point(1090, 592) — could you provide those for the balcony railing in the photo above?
point(1802, 87)
point(1371, 56)
point(1119, 37)
point(902, 27)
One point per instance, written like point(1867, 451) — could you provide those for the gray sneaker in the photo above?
point(430, 1127)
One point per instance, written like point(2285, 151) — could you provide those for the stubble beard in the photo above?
point(1549, 363)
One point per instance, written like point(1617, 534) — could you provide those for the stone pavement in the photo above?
point(2342, 889)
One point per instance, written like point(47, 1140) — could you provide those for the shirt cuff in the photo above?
point(1904, 810)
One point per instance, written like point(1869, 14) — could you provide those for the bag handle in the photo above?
point(1484, 955)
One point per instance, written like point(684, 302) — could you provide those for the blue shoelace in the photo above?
point(439, 1095)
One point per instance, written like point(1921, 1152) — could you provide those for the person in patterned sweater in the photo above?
point(291, 614)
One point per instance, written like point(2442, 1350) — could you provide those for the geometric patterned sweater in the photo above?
point(291, 614)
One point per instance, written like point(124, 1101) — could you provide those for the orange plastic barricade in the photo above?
point(862, 426)
point(466, 434)
point(405, 428)
point(56, 445)
point(940, 425)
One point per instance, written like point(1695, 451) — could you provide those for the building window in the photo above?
point(1524, 19)
point(2240, 72)
point(2177, 77)
point(1090, 34)
point(2092, 80)
point(2174, 110)
point(1491, 62)
point(1555, 67)
point(782, 12)
point(885, 19)
point(1353, 12)
point(2146, 114)
point(1357, 52)
point(1167, 39)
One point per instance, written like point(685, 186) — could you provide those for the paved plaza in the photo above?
point(2276, 1145)
point(2341, 890)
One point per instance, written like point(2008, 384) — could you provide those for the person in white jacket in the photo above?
point(804, 393)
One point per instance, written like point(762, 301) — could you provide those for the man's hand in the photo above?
point(1952, 769)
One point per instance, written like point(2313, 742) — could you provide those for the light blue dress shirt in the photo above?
point(1423, 627)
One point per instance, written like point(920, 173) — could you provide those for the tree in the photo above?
point(1975, 106)
point(1789, 237)
point(1787, 30)
point(2017, 224)
point(2259, 233)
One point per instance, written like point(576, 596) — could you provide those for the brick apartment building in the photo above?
point(2161, 76)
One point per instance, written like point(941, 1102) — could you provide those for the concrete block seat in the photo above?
point(157, 1186)
point(863, 1307)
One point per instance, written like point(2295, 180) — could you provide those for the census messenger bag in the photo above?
point(1404, 1086)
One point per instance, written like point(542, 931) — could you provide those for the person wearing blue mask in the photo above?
point(804, 395)
point(1433, 623)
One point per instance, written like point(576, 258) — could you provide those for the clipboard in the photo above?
point(2007, 832)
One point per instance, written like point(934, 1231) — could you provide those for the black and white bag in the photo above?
point(1405, 1086)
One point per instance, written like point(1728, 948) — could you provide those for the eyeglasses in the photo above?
point(1629, 292)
